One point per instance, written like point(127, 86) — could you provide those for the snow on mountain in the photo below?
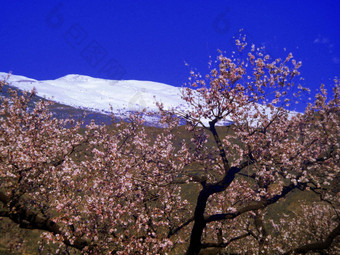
point(100, 95)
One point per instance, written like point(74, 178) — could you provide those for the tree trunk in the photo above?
point(199, 224)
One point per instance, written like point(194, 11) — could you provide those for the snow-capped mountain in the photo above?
point(100, 94)
point(107, 96)
point(103, 96)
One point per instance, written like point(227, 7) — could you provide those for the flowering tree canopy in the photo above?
point(123, 189)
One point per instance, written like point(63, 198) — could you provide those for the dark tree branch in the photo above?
point(253, 207)
point(317, 246)
point(4, 213)
point(218, 142)
point(174, 231)
point(222, 245)
point(31, 220)
point(200, 220)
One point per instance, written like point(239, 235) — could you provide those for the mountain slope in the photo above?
point(101, 95)
point(108, 96)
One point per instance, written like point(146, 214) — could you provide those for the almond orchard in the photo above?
point(185, 188)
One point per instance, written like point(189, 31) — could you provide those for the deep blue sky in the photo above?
point(151, 40)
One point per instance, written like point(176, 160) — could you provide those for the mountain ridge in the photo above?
point(106, 97)
point(100, 94)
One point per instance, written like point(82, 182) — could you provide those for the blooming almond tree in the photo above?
point(99, 189)
point(265, 154)
point(130, 189)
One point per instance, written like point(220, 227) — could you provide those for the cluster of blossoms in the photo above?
point(123, 188)
point(96, 188)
